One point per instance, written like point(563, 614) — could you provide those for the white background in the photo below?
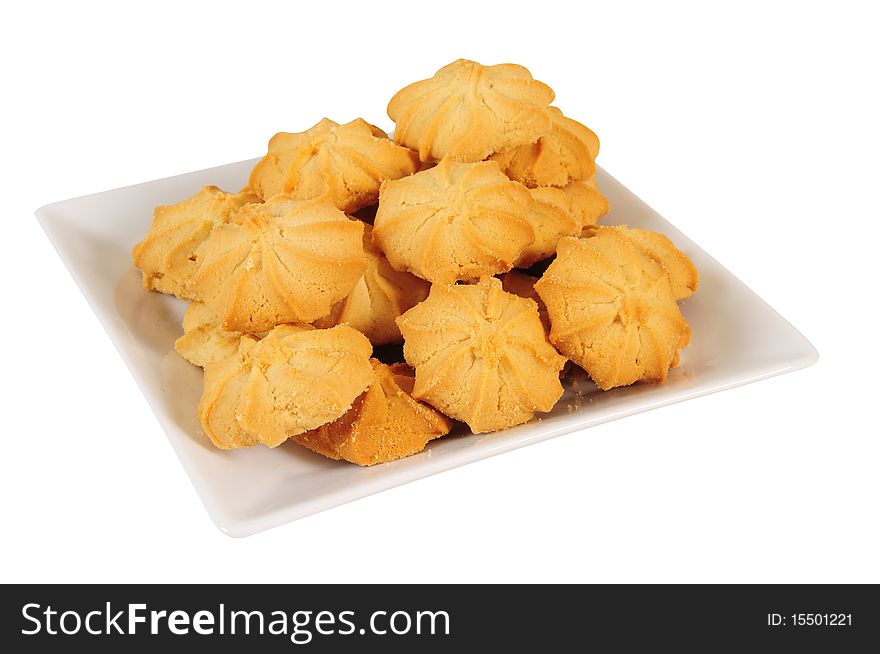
point(754, 130)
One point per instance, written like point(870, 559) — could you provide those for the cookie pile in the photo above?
point(345, 240)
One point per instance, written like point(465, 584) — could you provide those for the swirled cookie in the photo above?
point(383, 424)
point(379, 296)
point(204, 341)
point(586, 202)
point(481, 355)
point(565, 155)
point(348, 163)
point(467, 111)
point(551, 217)
point(612, 310)
point(456, 221)
point(682, 272)
point(167, 256)
point(282, 261)
point(295, 379)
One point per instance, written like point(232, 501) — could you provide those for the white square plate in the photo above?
point(737, 339)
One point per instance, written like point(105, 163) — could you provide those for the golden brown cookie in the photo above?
point(586, 202)
point(204, 341)
point(167, 256)
point(682, 272)
point(468, 111)
point(481, 355)
point(551, 218)
point(378, 298)
point(295, 379)
point(612, 310)
point(348, 163)
point(282, 261)
point(383, 424)
point(565, 155)
point(456, 221)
